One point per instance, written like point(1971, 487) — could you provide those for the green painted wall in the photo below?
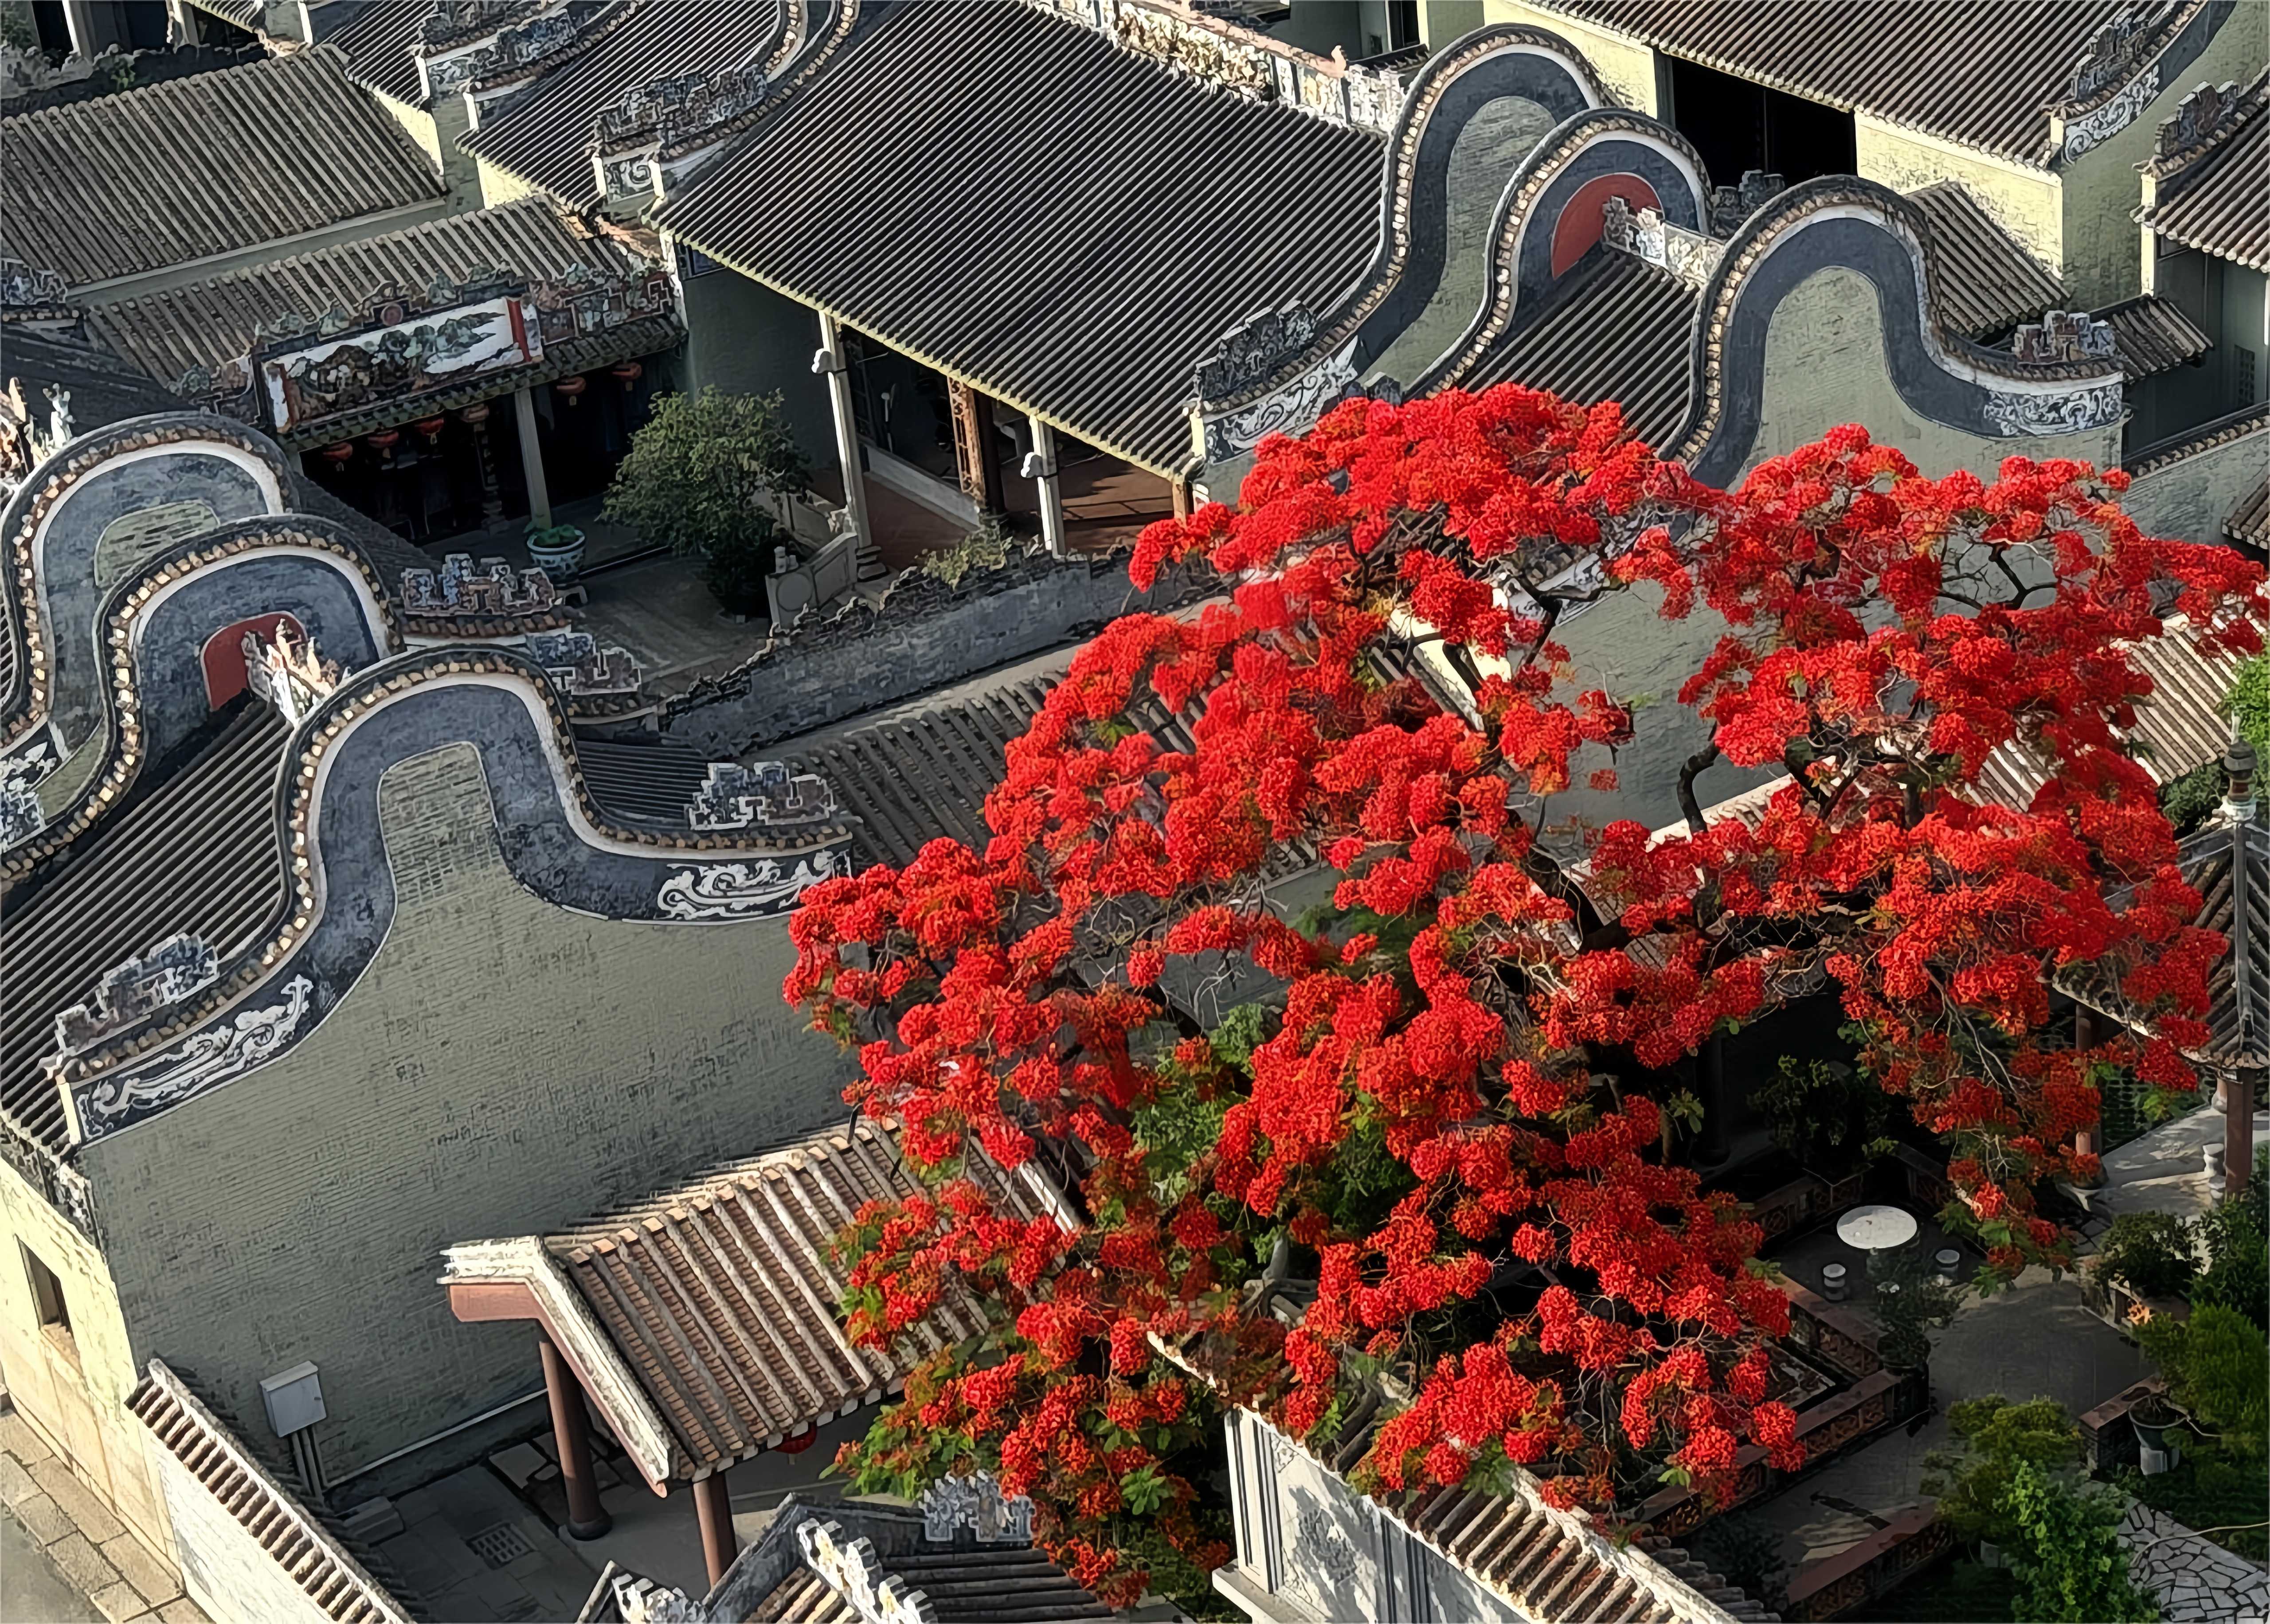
point(503, 1067)
point(1825, 366)
point(746, 339)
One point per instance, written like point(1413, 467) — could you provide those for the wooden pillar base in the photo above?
point(571, 1431)
point(713, 1506)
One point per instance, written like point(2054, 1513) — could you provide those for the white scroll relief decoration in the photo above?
point(2013, 415)
point(743, 890)
point(851, 1568)
point(2092, 130)
point(211, 1057)
point(1291, 411)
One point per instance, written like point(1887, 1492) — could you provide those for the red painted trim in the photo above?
point(1579, 228)
point(223, 657)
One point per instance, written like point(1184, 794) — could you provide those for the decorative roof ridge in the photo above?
point(575, 45)
point(24, 697)
point(2223, 125)
point(2201, 437)
point(1559, 147)
point(331, 719)
point(793, 74)
point(2117, 54)
point(1328, 333)
point(1758, 235)
point(123, 753)
point(162, 1399)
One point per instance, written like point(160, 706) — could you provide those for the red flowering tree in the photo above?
point(1443, 1101)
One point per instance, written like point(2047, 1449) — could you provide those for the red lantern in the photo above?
point(572, 387)
point(797, 1444)
point(628, 372)
point(340, 452)
point(384, 439)
point(476, 414)
point(431, 428)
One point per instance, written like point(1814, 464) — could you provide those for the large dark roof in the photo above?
point(377, 37)
point(1978, 71)
point(544, 134)
point(1619, 330)
point(103, 386)
point(200, 167)
point(1013, 199)
point(207, 323)
point(200, 855)
point(1992, 284)
point(2221, 203)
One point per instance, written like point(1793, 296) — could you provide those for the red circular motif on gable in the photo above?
point(1579, 224)
point(224, 654)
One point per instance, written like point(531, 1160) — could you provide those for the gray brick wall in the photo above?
point(504, 1067)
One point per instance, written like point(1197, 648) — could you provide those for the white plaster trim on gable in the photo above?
point(2036, 173)
point(2006, 384)
point(374, 612)
point(525, 1260)
point(272, 492)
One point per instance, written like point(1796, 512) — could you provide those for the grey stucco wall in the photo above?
point(2187, 500)
point(504, 1067)
point(746, 339)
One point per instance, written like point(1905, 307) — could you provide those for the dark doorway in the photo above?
point(146, 24)
point(1738, 126)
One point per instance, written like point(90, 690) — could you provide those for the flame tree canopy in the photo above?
point(1444, 1102)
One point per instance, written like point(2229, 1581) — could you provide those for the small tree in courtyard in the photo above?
point(1444, 1102)
point(701, 478)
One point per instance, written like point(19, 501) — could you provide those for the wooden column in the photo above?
point(571, 1430)
point(713, 1505)
point(2242, 1088)
point(2085, 1035)
point(531, 459)
point(974, 447)
point(833, 362)
point(1184, 501)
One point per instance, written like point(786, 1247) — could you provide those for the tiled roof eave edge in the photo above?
point(161, 1384)
point(957, 374)
point(524, 1260)
point(2204, 437)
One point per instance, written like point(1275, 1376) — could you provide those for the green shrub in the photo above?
point(2237, 1275)
point(2071, 1567)
point(2190, 799)
point(2150, 1253)
point(2218, 1370)
point(1829, 1116)
point(700, 479)
point(1996, 1437)
point(2250, 703)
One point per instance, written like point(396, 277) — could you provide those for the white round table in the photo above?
point(1873, 1229)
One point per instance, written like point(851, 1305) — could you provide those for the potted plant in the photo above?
point(2147, 1258)
point(2151, 1416)
point(556, 549)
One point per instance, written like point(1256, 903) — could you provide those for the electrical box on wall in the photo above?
point(294, 1399)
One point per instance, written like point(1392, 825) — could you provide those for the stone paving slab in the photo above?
point(2197, 1581)
point(116, 1576)
point(82, 1564)
point(153, 1580)
point(44, 1520)
point(79, 1502)
point(119, 1604)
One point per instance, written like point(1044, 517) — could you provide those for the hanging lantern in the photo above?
point(383, 440)
point(476, 414)
point(431, 428)
point(797, 1444)
point(572, 387)
point(339, 453)
point(628, 372)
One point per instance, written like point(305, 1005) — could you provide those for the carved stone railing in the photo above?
point(1219, 52)
point(1833, 1586)
point(1645, 234)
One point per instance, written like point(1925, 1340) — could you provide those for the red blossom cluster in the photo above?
point(1450, 1117)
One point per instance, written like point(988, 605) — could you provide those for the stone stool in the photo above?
point(1832, 1285)
point(1948, 1261)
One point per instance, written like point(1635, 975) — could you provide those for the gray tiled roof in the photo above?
point(2151, 335)
point(306, 1550)
point(1011, 197)
point(207, 323)
point(1619, 330)
point(1992, 284)
point(377, 37)
point(200, 854)
point(2249, 521)
point(1978, 72)
point(544, 134)
point(204, 166)
point(2221, 203)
